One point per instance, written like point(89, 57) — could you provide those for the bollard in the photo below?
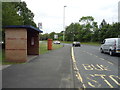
point(49, 44)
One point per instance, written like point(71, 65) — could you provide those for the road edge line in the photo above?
point(78, 75)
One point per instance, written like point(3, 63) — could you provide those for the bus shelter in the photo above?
point(21, 41)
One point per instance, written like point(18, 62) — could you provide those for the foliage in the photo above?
point(9, 14)
point(44, 36)
point(16, 13)
point(43, 47)
point(88, 31)
point(86, 20)
point(51, 35)
point(25, 13)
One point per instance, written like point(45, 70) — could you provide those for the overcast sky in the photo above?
point(50, 12)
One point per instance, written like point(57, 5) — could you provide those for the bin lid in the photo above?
point(23, 26)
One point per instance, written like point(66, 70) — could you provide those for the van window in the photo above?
point(109, 41)
point(106, 41)
point(118, 40)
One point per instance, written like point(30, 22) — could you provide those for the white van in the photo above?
point(111, 46)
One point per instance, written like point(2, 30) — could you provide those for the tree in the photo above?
point(51, 35)
point(60, 36)
point(44, 36)
point(86, 20)
point(103, 23)
point(16, 13)
point(26, 14)
point(88, 31)
point(9, 14)
point(72, 32)
point(89, 27)
point(69, 32)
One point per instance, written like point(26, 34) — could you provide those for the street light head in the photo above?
point(65, 6)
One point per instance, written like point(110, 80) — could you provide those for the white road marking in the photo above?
point(98, 57)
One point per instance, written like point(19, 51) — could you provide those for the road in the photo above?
point(94, 69)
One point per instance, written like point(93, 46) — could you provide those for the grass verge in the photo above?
point(43, 47)
point(42, 50)
point(69, 42)
point(86, 43)
point(91, 43)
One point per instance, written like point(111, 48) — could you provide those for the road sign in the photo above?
point(40, 25)
point(55, 36)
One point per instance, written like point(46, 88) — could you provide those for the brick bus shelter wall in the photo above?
point(32, 42)
point(15, 45)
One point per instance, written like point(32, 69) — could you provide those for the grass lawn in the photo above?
point(91, 43)
point(69, 42)
point(86, 43)
point(43, 47)
point(42, 50)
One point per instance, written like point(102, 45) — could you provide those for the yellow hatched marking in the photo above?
point(84, 86)
point(105, 68)
point(99, 66)
point(100, 69)
point(98, 84)
point(111, 76)
point(91, 84)
point(109, 84)
point(87, 67)
point(102, 76)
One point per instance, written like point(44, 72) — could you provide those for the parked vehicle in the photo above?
point(76, 44)
point(111, 46)
point(56, 42)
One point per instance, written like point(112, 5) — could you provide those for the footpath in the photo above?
point(50, 70)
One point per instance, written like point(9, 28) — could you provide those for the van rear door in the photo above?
point(118, 43)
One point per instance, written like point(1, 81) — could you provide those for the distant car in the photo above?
point(111, 46)
point(76, 44)
point(56, 42)
point(1, 42)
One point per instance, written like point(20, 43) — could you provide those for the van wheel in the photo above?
point(111, 53)
point(101, 50)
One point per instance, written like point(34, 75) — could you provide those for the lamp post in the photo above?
point(64, 23)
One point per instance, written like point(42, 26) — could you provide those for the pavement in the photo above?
point(51, 70)
point(4, 66)
point(29, 58)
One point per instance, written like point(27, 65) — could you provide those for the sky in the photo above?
point(50, 12)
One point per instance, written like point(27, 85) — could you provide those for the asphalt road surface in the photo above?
point(96, 70)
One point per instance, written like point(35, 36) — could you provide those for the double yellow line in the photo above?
point(78, 75)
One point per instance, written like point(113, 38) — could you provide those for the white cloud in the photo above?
point(50, 12)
